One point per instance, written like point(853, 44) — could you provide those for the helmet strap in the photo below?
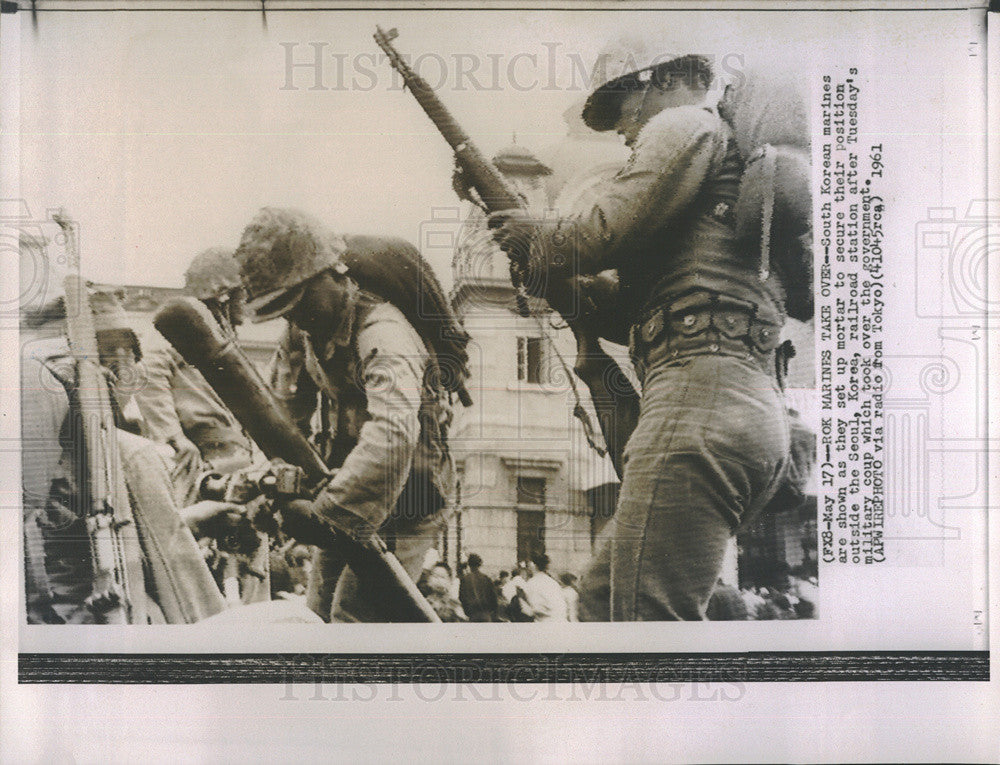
point(642, 103)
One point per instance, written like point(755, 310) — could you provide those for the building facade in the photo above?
point(527, 471)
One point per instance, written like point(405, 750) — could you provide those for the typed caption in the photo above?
point(850, 310)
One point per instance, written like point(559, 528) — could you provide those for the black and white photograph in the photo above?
point(314, 420)
point(508, 347)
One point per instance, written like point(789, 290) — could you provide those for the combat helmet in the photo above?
point(631, 63)
point(212, 274)
point(280, 250)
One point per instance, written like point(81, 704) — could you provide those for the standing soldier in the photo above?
point(711, 442)
point(385, 403)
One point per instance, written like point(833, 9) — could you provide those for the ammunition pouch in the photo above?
point(702, 323)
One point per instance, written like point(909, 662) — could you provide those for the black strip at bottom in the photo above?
point(125, 668)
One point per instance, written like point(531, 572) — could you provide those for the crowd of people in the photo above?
point(530, 595)
point(794, 599)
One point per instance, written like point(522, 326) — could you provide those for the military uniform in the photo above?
point(178, 586)
point(711, 442)
point(177, 401)
point(178, 404)
point(381, 417)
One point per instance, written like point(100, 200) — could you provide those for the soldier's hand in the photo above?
point(463, 188)
point(460, 183)
point(186, 454)
point(513, 230)
point(300, 521)
point(205, 518)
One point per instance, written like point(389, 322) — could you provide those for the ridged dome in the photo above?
point(517, 159)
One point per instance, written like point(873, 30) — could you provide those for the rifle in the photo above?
point(615, 400)
point(116, 556)
point(482, 174)
point(189, 326)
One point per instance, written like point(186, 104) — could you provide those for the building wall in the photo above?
point(518, 428)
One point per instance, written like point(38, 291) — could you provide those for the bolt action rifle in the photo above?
point(614, 398)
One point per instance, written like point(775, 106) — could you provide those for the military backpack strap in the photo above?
point(769, 159)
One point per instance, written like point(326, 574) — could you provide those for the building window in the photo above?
point(530, 491)
point(529, 359)
point(530, 533)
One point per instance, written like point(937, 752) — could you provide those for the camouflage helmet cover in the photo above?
point(279, 251)
point(212, 274)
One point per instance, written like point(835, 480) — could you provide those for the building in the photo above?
point(530, 480)
point(141, 302)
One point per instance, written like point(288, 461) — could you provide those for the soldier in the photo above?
point(178, 406)
point(178, 586)
point(711, 443)
point(385, 405)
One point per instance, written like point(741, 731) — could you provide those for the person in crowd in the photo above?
point(568, 582)
point(456, 582)
point(477, 593)
point(541, 596)
point(753, 601)
point(503, 603)
point(511, 593)
point(436, 586)
point(726, 604)
point(776, 607)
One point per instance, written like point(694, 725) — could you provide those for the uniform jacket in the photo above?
point(176, 400)
point(665, 219)
point(369, 400)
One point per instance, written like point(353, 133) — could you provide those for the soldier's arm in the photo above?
point(156, 399)
point(670, 161)
point(366, 487)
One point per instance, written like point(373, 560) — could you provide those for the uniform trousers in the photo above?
point(709, 451)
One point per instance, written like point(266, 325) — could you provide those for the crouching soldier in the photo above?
point(178, 406)
point(384, 402)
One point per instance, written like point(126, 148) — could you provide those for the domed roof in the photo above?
point(517, 159)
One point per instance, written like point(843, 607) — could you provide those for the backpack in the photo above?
point(768, 112)
point(395, 271)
